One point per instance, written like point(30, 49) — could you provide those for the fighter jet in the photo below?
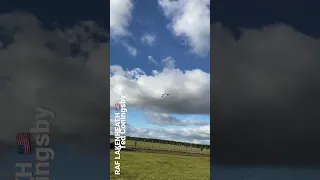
point(164, 95)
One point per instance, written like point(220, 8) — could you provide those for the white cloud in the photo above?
point(164, 119)
point(169, 62)
point(191, 21)
point(120, 17)
point(200, 135)
point(40, 69)
point(148, 38)
point(152, 60)
point(132, 50)
point(189, 94)
point(189, 90)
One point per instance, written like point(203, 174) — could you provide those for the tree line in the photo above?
point(202, 146)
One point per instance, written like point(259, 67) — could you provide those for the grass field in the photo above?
point(164, 162)
point(137, 165)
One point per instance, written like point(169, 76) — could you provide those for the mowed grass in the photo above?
point(136, 165)
point(168, 147)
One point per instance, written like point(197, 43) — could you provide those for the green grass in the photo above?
point(137, 165)
point(168, 147)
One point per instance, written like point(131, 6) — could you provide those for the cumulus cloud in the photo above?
point(63, 70)
point(132, 50)
point(189, 90)
point(190, 20)
point(152, 60)
point(164, 119)
point(265, 95)
point(169, 62)
point(200, 135)
point(120, 17)
point(148, 38)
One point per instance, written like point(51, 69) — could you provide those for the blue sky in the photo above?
point(148, 18)
point(149, 36)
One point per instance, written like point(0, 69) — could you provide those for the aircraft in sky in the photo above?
point(165, 95)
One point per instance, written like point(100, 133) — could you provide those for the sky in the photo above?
point(265, 62)
point(265, 59)
point(58, 60)
point(162, 47)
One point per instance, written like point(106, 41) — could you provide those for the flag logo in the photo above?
point(23, 143)
point(117, 106)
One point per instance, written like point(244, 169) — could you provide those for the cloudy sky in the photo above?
point(162, 47)
point(265, 58)
point(59, 61)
